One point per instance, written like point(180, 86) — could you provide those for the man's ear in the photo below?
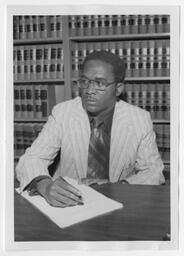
point(119, 88)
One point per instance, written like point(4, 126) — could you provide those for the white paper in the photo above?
point(94, 204)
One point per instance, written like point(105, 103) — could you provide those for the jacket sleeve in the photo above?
point(42, 152)
point(148, 165)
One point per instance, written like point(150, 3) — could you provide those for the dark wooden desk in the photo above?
point(145, 216)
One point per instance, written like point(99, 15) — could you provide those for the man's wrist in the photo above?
point(43, 184)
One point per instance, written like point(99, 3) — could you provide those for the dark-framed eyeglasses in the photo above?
point(99, 84)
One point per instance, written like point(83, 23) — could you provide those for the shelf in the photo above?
point(127, 79)
point(26, 120)
point(159, 78)
point(162, 121)
point(49, 81)
point(37, 41)
point(119, 37)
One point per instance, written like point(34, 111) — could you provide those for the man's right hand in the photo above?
point(59, 193)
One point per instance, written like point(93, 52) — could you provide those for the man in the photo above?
point(100, 138)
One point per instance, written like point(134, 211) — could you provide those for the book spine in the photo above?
point(60, 66)
point(15, 27)
point(80, 25)
point(39, 62)
point(53, 30)
point(118, 28)
point(153, 103)
point(53, 64)
point(167, 100)
point(15, 63)
point(44, 100)
point(94, 24)
point(17, 102)
point(33, 62)
point(38, 102)
point(36, 27)
point(19, 139)
point(43, 20)
point(26, 63)
point(20, 62)
point(158, 58)
point(151, 25)
point(159, 89)
point(141, 24)
point(101, 25)
point(135, 58)
point(89, 25)
point(125, 24)
point(134, 24)
point(30, 30)
point(166, 133)
point(23, 101)
point(22, 28)
point(144, 50)
point(151, 47)
point(47, 61)
point(159, 27)
point(30, 101)
point(166, 23)
point(73, 25)
point(59, 28)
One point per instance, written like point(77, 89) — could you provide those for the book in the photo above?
point(36, 27)
point(95, 204)
point(38, 102)
point(29, 26)
point(53, 62)
point(52, 26)
point(30, 101)
point(59, 28)
point(23, 101)
point(17, 102)
point(33, 62)
point(15, 27)
point(22, 27)
point(43, 20)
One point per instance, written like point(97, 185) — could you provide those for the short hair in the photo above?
point(114, 60)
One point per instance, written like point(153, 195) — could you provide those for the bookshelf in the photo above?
point(49, 50)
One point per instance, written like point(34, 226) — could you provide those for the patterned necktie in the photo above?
point(98, 153)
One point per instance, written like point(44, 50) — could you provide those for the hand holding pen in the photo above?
point(59, 193)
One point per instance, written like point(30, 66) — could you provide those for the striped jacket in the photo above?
point(133, 151)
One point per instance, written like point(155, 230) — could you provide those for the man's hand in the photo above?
point(59, 193)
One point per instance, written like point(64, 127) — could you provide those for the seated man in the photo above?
point(100, 138)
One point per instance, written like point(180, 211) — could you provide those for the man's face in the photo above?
point(97, 101)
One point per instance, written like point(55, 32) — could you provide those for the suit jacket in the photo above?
point(133, 151)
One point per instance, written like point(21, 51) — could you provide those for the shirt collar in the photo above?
point(104, 118)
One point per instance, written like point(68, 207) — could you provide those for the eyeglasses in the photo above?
point(99, 84)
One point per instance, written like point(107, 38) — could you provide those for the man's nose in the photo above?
point(91, 88)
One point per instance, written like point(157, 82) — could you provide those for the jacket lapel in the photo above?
point(120, 135)
point(79, 129)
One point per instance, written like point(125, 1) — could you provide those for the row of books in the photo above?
point(34, 62)
point(163, 140)
point(143, 58)
point(37, 27)
point(33, 101)
point(24, 135)
point(94, 25)
point(153, 97)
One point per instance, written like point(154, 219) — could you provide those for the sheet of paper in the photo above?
point(94, 204)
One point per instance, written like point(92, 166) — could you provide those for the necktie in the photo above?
point(98, 153)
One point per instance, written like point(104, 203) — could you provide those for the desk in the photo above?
point(145, 216)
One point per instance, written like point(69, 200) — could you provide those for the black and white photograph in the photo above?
point(95, 98)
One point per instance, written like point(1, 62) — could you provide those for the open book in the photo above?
point(94, 204)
